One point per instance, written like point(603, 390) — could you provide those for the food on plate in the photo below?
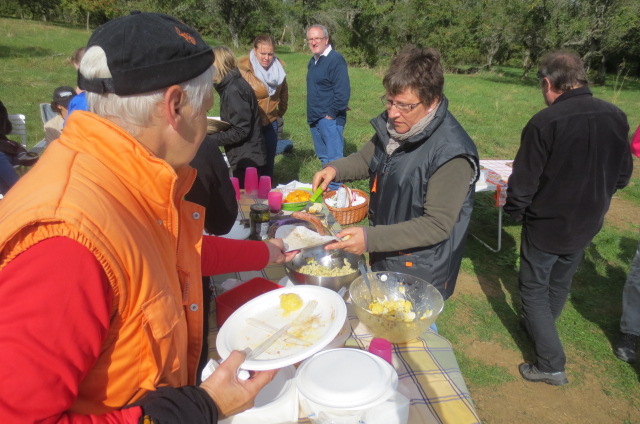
point(396, 309)
point(314, 268)
point(305, 216)
point(297, 196)
point(290, 302)
point(315, 208)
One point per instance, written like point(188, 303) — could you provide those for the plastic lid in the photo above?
point(276, 390)
point(259, 207)
point(346, 378)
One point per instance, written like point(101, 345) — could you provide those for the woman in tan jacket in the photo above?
point(266, 75)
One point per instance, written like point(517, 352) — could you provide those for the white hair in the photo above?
point(134, 112)
point(325, 31)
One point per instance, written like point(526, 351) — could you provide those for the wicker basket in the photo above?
point(350, 214)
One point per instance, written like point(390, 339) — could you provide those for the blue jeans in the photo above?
point(630, 321)
point(328, 141)
point(270, 135)
point(545, 281)
point(8, 175)
point(284, 146)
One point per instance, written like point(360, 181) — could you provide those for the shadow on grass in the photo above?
point(596, 292)
point(24, 52)
point(497, 272)
point(288, 169)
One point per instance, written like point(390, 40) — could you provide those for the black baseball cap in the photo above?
point(63, 95)
point(147, 52)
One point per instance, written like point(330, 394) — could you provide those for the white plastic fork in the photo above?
point(261, 325)
point(262, 347)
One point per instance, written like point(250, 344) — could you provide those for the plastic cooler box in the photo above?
point(229, 301)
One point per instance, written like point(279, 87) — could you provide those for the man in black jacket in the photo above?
point(573, 157)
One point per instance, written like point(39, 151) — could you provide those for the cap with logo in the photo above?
point(63, 95)
point(147, 52)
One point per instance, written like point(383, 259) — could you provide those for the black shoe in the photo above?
point(531, 373)
point(626, 347)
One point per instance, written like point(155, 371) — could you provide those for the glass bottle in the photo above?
point(259, 216)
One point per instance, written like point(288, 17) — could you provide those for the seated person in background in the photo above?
point(60, 105)
point(100, 268)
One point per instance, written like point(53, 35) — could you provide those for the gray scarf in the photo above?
point(271, 77)
point(396, 139)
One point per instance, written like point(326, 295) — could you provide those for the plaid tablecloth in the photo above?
point(427, 369)
point(498, 174)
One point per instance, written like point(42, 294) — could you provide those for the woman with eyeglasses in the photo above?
point(265, 74)
point(422, 168)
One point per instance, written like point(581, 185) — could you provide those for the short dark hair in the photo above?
point(418, 69)
point(263, 39)
point(564, 69)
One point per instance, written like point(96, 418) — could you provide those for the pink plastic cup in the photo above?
point(236, 186)
point(251, 181)
point(264, 186)
point(274, 198)
point(382, 348)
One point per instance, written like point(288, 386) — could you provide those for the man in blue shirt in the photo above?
point(328, 92)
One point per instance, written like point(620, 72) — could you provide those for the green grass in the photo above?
point(493, 107)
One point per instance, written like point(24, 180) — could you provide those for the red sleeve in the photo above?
point(54, 316)
point(635, 143)
point(221, 255)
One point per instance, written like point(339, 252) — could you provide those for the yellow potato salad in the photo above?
point(290, 302)
point(396, 310)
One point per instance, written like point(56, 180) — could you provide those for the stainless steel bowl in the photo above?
point(330, 259)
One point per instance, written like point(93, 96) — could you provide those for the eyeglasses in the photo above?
point(402, 108)
point(315, 40)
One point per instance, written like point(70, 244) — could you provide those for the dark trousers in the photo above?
point(204, 353)
point(545, 280)
point(270, 135)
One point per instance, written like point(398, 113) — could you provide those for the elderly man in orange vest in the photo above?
point(101, 256)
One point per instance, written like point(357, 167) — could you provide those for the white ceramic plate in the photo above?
point(307, 338)
point(238, 232)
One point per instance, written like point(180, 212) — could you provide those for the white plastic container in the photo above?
point(277, 402)
point(343, 386)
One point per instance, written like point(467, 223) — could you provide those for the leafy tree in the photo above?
point(534, 33)
point(103, 10)
point(236, 13)
point(495, 27)
point(44, 9)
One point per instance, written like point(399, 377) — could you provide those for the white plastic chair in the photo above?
point(19, 123)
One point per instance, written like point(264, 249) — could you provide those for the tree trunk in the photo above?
point(527, 64)
point(88, 14)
